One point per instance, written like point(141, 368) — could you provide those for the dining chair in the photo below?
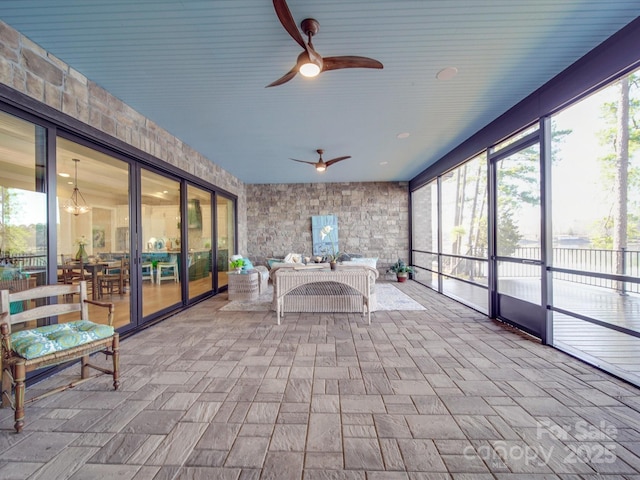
point(114, 279)
point(147, 271)
point(169, 268)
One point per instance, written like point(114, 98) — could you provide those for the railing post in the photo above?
point(624, 269)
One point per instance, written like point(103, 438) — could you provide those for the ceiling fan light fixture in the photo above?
point(309, 69)
point(321, 167)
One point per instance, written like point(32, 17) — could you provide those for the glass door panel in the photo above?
point(159, 266)
point(225, 217)
point(518, 240)
point(200, 233)
point(23, 206)
point(93, 224)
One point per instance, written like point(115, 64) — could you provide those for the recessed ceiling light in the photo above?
point(383, 163)
point(403, 135)
point(65, 175)
point(447, 73)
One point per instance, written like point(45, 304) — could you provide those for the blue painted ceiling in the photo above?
point(199, 69)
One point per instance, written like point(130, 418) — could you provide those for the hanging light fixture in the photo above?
point(73, 205)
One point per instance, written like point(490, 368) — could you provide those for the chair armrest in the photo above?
point(5, 339)
point(108, 305)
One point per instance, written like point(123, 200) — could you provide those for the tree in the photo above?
point(622, 135)
point(13, 238)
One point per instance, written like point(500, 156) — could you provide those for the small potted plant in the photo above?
point(237, 264)
point(401, 269)
point(330, 255)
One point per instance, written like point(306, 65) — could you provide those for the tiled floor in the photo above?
point(435, 394)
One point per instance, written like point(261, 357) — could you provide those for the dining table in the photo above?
point(93, 268)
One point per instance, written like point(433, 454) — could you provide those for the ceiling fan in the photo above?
point(310, 63)
point(321, 165)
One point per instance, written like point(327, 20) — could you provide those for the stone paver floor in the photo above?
point(443, 393)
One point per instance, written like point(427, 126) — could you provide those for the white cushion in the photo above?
point(293, 258)
point(368, 261)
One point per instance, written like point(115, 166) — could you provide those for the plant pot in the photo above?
point(333, 265)
point(402, 277)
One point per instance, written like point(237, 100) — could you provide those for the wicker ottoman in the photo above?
point(244, 286)
point(264, 278)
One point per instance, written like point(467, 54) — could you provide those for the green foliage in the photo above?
point(617, 170)
point(508, 234)
point(239, 263)
point(602, 231)
point(401, 267)
point(13, 238)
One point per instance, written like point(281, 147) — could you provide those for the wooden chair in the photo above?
point(67, 271)
point(35, 348)
point(16, 286)
point(73, 271)
point(114, 279)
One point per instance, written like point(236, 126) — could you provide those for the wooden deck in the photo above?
point(611, 350)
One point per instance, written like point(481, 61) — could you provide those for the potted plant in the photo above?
point(401, 269)
point(333, 254)
point(237, 264)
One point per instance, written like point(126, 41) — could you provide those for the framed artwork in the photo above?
point(98, 237)
point(122, 239)
point(324, 234)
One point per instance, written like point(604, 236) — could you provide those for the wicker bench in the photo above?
point(313, 290)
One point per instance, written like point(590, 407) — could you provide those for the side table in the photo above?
point(244, 286)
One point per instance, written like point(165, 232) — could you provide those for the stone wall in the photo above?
point(373, 218)
point(29, 69)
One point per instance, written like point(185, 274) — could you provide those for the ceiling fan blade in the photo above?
point(287, 21)
point(302, 161)
point(313, 55)
point(285, 78)
point(336, 160)
point(350, 61)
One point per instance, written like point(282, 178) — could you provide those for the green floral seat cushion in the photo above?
point(42, 341)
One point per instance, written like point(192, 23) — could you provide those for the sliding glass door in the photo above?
point(93, 215)
point(226, 221)
point(199, 237)
point(23, 204)
point(160, 232)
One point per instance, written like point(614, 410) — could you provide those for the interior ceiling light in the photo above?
point(64, 175)
point(403, 135)
point(76, 205)
point(447, 73)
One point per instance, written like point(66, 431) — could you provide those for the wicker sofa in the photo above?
point(323, 296)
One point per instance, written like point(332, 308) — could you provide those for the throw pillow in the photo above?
point(247, 264)
point(293, 258)
point(272, 261)
point(369, 261)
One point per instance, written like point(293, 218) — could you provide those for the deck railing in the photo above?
point(590, 261)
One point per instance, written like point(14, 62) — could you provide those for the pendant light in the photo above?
point(73, 205)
